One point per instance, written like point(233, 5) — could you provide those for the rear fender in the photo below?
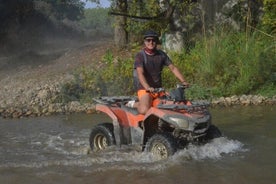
point(117, 130)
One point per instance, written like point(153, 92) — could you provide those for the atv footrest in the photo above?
point(129, 109)
point(114, 99)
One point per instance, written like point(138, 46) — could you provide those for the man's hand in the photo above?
point(185, 84)
point(150, 89)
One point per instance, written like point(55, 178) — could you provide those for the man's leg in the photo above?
point(144, 103)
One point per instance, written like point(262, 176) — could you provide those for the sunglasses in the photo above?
point(150, 40)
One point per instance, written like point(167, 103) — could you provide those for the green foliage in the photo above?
point(155, 15)
point(97, 21)
point(113, 77)
point(25, 23)
point(117, 75)
point(22, 10)
point(234, 64)
point(268, 90)
point(225, 64)
point(70, 9)
point(269, 18)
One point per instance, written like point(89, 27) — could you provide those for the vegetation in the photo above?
point(27, 23)
point(218, 60)
point(227, 64)
point(269, 18)
point(97, 21)
point(224, 63)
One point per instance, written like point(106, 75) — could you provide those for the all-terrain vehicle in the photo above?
point(169, 125)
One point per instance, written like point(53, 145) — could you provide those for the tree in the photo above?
point(21, 20)
point(70, 9)
point(120, 32)
point(133, 17)
point(269, 18)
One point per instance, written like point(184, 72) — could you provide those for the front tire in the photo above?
point(213, 132)
point(161, 146)
point(101, 137)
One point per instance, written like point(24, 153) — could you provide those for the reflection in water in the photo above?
point(56, 148)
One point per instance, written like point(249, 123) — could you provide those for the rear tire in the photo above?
point(161, 146)
point(101, 137)
point(213, 132)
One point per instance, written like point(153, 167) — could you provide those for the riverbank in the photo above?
point(31, 81)
point(38, 101)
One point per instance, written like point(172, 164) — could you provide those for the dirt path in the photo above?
point(24, 72)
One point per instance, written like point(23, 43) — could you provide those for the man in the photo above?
point(148, 67)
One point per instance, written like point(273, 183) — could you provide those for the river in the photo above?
point(55, 149)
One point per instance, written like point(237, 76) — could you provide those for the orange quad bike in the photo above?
point(170, 124)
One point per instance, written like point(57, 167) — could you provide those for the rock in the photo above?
point(28, 113)
point(228, 101)
point(45, 110)
point(245, 100)
point(55, 108)
point(36, 109)
point(17, 113)
point(235, 100)
point(43, 94)
point(257, 100)
point(75, 106)
point(219, 101)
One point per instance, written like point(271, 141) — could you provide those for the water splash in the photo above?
point(73, 153)
point(212, 150)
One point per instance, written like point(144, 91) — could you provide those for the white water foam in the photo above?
point(212, 150)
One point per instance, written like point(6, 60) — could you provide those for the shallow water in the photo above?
point(55, 150)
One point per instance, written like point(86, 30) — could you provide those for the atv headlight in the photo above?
point(182, 123)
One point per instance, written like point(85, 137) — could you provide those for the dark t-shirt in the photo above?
point(152, 67)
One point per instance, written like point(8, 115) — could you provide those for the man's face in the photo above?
point(150, 42)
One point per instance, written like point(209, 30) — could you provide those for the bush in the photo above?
point(225, 64)
point(232, 63)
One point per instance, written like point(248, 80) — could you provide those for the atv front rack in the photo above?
point(195, 107)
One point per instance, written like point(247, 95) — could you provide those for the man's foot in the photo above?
point(130, 103)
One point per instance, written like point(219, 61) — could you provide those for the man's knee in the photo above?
point(143, 110)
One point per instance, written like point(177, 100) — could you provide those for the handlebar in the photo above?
point(156, 90)
point(159, 90)
point(182, 86)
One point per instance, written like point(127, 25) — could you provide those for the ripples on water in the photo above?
point(55, 150)
point(45, 150)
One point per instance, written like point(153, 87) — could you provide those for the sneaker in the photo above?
point(130, 103)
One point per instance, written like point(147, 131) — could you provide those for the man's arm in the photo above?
point(178, 74)
point(142, 79)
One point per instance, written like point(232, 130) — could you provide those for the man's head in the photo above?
point(151, 39)
point(150, 33)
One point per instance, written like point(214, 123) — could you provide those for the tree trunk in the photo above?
point(120, 33)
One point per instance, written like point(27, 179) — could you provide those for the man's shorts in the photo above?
point(155, 100)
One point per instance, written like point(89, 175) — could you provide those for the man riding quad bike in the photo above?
point(169, 125)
